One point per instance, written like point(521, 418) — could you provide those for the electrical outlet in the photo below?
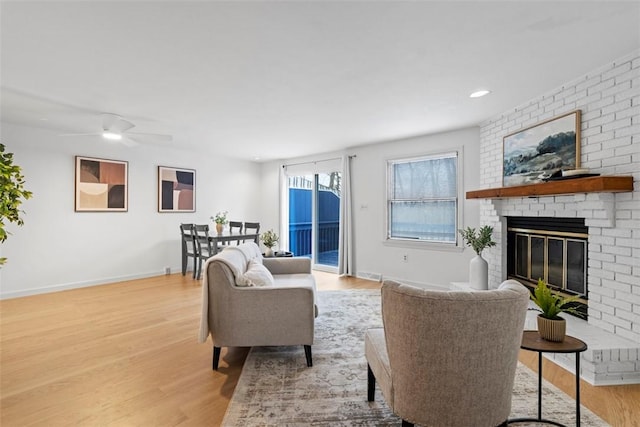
point(405, 258)
point(167, 270)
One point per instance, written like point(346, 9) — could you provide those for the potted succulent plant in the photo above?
point(220, 219)
point(478, 267)
point(269, 239)
point(551, 326)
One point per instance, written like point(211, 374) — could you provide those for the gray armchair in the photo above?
point(447, 358)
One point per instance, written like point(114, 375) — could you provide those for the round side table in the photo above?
point(532, 341)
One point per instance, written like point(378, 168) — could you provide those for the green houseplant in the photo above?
point(13, 194)
point(220, 219)
point(478, 266)
point(269, 239)
point(478, 240)
point(551, 326)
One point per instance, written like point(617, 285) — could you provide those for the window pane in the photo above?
point(327, 224)
point(432, 221)
point(425, 179)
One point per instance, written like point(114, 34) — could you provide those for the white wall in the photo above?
point(372, 254)
point(58, 248)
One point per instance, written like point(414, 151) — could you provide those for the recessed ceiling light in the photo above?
point(112, 136)
point(479, 93)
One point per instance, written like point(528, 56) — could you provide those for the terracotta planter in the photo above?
point(219, 228)
point(552, 330)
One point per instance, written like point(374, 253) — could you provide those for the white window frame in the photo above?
point(425, 244)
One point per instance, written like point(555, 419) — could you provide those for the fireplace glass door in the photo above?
point(576, 266)
point(560, 261)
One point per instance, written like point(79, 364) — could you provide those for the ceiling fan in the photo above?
point(116, 129)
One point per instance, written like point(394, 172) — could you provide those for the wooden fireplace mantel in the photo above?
point(595, 184)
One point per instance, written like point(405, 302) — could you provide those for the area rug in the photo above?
point(277, 389)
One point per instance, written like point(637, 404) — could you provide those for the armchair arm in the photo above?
point(282, 265)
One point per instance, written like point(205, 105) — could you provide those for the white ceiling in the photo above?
point(277, 79)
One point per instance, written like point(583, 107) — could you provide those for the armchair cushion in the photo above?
point(282, 265)
point(375, 351)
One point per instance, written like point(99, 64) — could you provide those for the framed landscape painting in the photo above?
point(176, 189)
point(101, 185)
point(534, 154)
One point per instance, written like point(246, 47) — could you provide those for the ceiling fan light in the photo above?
point(479, 93)
point(112, 136)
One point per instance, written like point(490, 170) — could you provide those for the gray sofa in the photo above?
point(240, 310)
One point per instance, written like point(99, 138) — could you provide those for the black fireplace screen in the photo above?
point(553, 249)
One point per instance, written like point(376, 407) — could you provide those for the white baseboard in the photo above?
point(369, 276)
point(82, 284)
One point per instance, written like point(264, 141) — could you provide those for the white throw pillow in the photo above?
point(243, 281)
point(257, 275)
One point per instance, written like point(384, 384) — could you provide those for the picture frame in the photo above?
point(101, 185)
point(534, 154)
point(176, 189)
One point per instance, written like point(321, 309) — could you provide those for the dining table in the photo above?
point(227, 237)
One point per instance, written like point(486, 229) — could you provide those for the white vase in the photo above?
point(268, 252)
point(479, 273)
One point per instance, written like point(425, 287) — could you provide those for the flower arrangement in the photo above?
point(269, 238)
point(478, 241)
point(220, 218)
point(552, 304)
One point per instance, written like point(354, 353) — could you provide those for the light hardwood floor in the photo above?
point(126, 354)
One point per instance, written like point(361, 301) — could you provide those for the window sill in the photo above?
point(429, 246)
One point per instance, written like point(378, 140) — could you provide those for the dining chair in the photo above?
point(189, 249)
point(204, 247)
point(237, 225)
point(252, 228)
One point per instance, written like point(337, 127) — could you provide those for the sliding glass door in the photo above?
point(314, 217)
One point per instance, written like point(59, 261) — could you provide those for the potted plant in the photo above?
point(269, 239)
point(13, 193)
point(551, 326)
point(478, 266)
point(220, 219)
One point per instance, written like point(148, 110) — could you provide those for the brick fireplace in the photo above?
point(609, 100)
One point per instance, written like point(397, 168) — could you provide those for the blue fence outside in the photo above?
point(300, 223)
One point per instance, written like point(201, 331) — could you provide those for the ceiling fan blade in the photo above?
point(154, 137)
point(128, 142)
point(122, 126)
point(115, 123)
point(109, 120)
point(80, 134)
